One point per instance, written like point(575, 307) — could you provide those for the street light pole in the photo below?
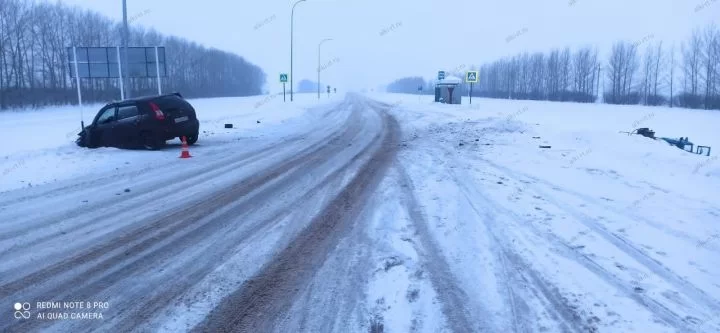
point(292, 16)
point(318, 69)
point(126, 35)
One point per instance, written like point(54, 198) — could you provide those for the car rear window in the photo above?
point(171, 102)
point(175, 106)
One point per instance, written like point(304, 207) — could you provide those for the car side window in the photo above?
point(127, 111)
point(107, 116)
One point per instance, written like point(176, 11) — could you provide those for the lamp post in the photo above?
point(319, 69)
point(292, 16)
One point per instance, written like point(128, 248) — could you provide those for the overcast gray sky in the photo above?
point(377, 41)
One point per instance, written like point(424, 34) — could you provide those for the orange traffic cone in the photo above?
point(185, 150)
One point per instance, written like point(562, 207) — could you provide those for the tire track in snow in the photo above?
point(158, 301)
point(593, 201)
point(568, 251)
point(455, 302)
point(274, 289)
point(656, 267)
point(163, 222)
point(108, 205)
point(570, 321)
point(113, 207)
point(200, 207)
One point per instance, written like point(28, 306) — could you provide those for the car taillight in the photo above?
point(159, 115)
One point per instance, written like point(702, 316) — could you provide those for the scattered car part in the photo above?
point(681, 143)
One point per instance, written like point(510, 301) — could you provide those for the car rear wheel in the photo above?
point(191, 139)
point(151, 142)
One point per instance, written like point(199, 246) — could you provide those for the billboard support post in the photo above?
point(77, 83)
point(157, 70)
point(77, 78)
point(122, 88)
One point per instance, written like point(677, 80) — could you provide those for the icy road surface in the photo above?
point(382, 214)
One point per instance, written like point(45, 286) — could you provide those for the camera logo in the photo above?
point(22, 310)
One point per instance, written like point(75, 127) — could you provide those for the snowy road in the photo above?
point(143, 249)
point(361, 216)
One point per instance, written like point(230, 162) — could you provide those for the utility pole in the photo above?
point(292, 17)
point(126, 36)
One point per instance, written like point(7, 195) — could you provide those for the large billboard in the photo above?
point(102, 62)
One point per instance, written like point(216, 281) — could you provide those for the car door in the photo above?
point(105, 125)
point(127, 130)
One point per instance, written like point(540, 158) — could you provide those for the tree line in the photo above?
point(406, 85)
point(34, 69)
point(642, 72)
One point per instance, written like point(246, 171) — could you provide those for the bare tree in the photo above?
point(692, 56)
point(584, 74)
point(648, 69)
point(658, 63)
point(562, 75)
point(710, 61)
point(615, 70)
point(622, 65)
point(552, 77)
point(537, 76)
point(34, 37)
point(565, 65)
point(672, 75)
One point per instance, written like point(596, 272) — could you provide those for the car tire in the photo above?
point(151, 142)
point(191, 139)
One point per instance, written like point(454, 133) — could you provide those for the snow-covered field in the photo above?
point(469, 227)
point(39, 146)
point(622, 230)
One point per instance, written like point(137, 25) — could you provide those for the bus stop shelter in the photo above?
point(447, 90)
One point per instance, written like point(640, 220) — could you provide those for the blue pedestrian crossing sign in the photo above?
point(283, 78)
point(471, 77)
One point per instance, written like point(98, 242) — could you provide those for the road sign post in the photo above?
point(472, 78)
point(328, 91)
point(283, 80)
point(471, 84)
